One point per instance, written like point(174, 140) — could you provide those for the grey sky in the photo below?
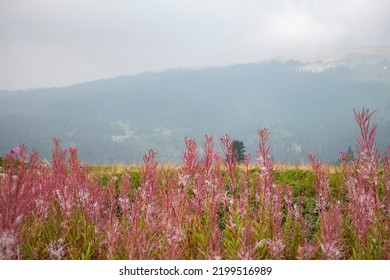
point(56, 43)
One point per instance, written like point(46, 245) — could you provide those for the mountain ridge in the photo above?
point(118, 119)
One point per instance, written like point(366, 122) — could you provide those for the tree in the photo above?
point(239, 150)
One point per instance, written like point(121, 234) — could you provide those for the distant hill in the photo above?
point(307, 102)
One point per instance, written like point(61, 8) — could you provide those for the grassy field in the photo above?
point(210, 207)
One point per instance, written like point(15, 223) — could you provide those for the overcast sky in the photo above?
point(56, 43)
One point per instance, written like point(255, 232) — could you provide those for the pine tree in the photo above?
point(239, 150)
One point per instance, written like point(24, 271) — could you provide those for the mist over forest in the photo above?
point(306, 102)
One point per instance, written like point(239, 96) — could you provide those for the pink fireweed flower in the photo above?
point(89, 199)
point(71, 148)
point(361, 204)
point(32, 154)
point(65, 200)
point(331, 244)
point(307, 251)
point(173, 233)
point(149, 176)
point(183, 180)
point(321, 183)
point(208, 148)
point(15, 151)
point(190, 155)
point(57, 249)
point(275, 248)
point(42, 205)
point(264, 159)
point(345, 157)
point(113, 237)
point(367, 152)
point(123, 199)
point(288, 200)
point(7, 244)
point(361, 178)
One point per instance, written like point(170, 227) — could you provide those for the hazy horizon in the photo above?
point(53, 45)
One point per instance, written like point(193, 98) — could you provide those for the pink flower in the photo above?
point(7, 244)
point(15, 151)
point(56, 249)
point(32, 154)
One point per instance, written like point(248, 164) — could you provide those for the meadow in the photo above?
point(210, 207)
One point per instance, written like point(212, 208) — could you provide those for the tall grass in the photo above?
point(208, 208)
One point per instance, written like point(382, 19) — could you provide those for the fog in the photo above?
point(57, 43)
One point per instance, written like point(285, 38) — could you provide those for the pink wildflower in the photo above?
point(56, 249)
point(331, 244)
point(275, 248)
point(191, 156)
point(15, 151)
point(7, 244)
point(306, 251)
point(321, 183)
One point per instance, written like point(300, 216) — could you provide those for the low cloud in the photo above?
point(55, 44)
